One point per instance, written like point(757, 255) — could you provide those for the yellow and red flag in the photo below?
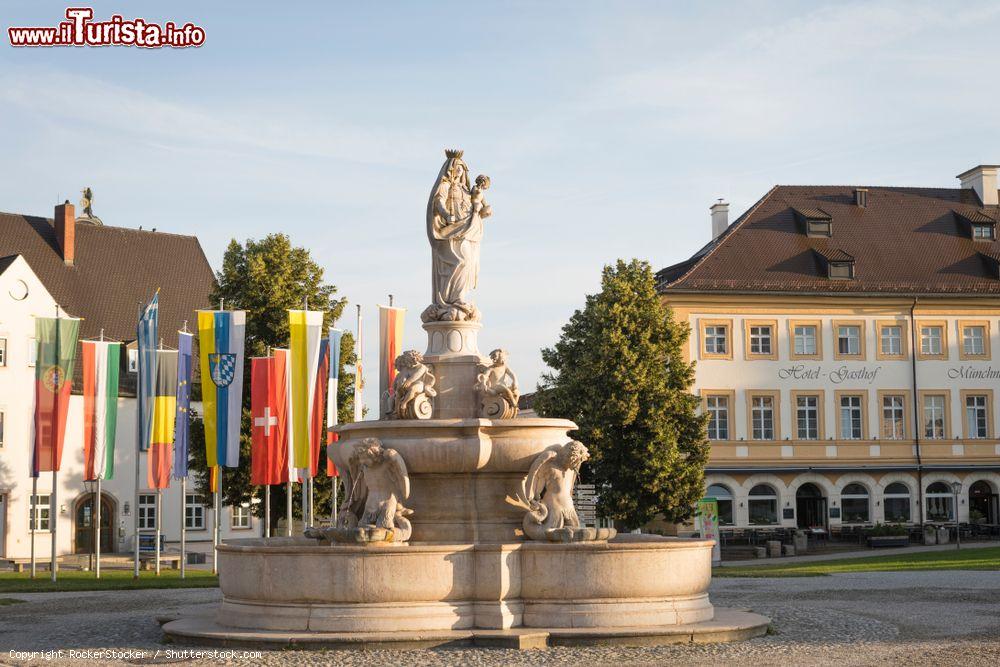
point(390, 339)
point(160, 457)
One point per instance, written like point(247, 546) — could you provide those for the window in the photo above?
point(762, 417)
point(147, 511)
point(894, 417)
point(716, 339)
point(763, 505)
point(897, 503)
point(933, 342)
point(851, 418)
point(854, 504)
point(3, 351)
point(982, 232)
point(38, 512)
point(240, 517)
point(724, 497)
point(194, 512)
point(891, 341)
point(133, 360)
point(760, 340)
point(807, 417)
point(718, 417)
point(975, 339)
point(850, 342)
point(976, 416)
point(841, 270)
point(32, 351)
point(940, 502)
point(818, 228)
point(934, 416)
point(804, 340)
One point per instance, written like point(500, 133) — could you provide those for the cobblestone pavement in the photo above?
point(879, 618)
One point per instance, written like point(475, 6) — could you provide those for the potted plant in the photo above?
point(888, 535)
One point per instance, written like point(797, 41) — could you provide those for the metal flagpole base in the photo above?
point(159, 516)
point(183, 563)
point(97, 532)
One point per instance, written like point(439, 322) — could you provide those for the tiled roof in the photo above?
point(114, 270)
point(905, 241)
point(834, 255)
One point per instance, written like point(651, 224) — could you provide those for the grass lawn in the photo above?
point(966, 559)
point(111, 580)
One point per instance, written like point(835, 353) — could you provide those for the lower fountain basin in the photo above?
point(292, 584)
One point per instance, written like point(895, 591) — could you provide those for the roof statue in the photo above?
point(87, 206)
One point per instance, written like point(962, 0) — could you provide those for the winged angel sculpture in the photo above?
point(377, 483)
point(547, 495)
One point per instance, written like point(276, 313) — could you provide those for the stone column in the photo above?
point(453, 352)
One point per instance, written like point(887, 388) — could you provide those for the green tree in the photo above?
point(619, 373)
point(266, 278)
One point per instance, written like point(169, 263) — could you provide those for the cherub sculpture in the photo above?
point(376, 482)
point(413, 388)
point(497, 388)
point(547, 494)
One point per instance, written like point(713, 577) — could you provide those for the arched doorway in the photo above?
point(84, 522)
point(983, 501)
point(810, 507)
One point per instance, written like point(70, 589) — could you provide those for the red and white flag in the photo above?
point(269, 412)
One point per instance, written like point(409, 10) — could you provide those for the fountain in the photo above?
point(458, 524)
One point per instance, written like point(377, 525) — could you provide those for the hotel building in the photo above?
point(847, 349)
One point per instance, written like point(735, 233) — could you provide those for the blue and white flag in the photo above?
point(146, 337)
point(333, 380)
point(221, 335)
point(183, 404)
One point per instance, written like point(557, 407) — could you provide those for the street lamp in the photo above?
point(956, 488)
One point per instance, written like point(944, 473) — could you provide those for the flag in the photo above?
point(332, 387)
point(160, 457)
point(56, 351)
point(146, 339)
point(220, 337)
point(390, 339)
point(100, 407)
point(305, 331)
point(182, 425)
point(213, 479)
point(317, 415)
point(284, 465)
point(359, 378)
point(269, 411)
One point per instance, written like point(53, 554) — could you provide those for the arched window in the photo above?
point(724, 497)
point(982, 503)
point(763, 505)
point(897, 503)
point(940, 502)
point(854, 504)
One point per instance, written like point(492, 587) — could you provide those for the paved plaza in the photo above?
point(879, 618)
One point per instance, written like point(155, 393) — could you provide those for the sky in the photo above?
point(608, 129)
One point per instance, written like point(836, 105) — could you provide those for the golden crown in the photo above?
point(453, 153)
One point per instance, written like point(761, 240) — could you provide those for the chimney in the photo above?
point(65, 224)
point(720, 218)
point(982, 179)
point(861, 197)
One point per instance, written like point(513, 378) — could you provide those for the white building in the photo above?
point(101, 274)
point(847, 342)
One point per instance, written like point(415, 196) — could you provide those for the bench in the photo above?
point(148, 561)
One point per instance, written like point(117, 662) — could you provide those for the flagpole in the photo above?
point(97, 539)
point(54, 506)
point(97, 515)
point(159, 518)
point(288, 509)
point(267, 510)
point(359, 409)
point(34, 515)
point(183, 526)
point(218, 520)
point(138, 444)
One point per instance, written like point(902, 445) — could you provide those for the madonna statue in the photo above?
point(455, 214)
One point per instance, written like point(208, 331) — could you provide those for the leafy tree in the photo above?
point(620, 374)
point(266, 278)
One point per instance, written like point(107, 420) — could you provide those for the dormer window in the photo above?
point(816, 221)
point(983, 232)
point(839, 265)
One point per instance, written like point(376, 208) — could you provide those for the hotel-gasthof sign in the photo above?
point(847, 349)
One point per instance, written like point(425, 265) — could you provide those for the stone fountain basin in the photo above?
point(462, 470)
point(632, 581)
